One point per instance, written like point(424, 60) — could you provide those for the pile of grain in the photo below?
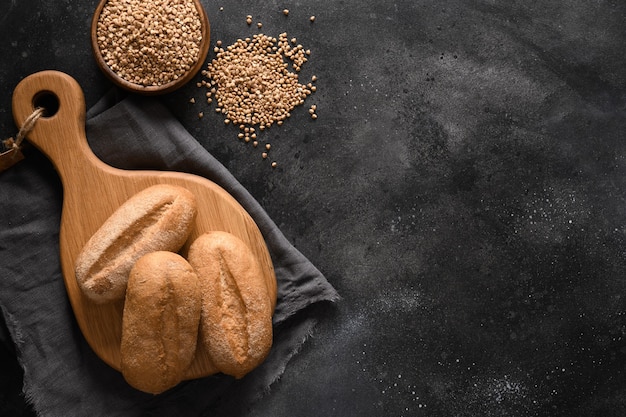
point(149, 43)
point(254, 83)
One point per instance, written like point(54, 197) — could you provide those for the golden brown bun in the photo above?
point(236, 319)
point(157, 218)
point(160, 322)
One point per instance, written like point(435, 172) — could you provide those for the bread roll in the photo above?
point(160, 322)
point(236, 318)
point(157, 218)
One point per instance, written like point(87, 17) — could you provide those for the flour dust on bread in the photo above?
point(236, 314)
point(159, 322)
point(158, 218)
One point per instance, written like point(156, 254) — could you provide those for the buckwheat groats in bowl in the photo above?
point(150, 47)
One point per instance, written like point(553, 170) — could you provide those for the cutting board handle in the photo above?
point(60, 132)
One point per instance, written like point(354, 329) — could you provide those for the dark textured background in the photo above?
point(463, 189)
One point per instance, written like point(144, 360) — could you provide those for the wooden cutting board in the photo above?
point(93, 190)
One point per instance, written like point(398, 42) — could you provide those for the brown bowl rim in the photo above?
point(152, 89)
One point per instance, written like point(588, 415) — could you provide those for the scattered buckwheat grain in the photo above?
point(253, 84)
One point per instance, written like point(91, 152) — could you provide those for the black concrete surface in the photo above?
point(463, 188)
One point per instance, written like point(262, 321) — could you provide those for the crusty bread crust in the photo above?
point(236, 318)
point(160, 322)
point(157, 218)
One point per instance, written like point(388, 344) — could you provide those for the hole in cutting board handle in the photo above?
point(49, 101)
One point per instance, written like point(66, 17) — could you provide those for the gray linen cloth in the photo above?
point(62, 375)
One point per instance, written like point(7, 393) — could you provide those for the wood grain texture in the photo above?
point(93, 190)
